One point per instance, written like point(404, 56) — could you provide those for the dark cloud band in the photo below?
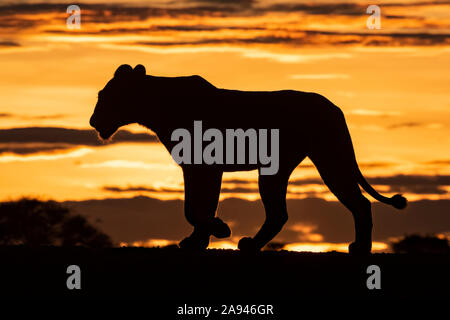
point(30, 140)
point(413, 184)
point(149, 218)
point(10, 18)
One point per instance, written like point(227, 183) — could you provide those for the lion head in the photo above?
point(118, 100)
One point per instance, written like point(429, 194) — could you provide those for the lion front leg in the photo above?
point(202, 189)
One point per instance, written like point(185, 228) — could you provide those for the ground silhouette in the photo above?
point(416, 243)
point(309, 126)
point(219, 276)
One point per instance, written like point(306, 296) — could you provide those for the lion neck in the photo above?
point(165, 98)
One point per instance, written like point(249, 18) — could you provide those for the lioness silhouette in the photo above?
point(309, 126)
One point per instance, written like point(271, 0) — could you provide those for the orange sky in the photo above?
point(392, 84)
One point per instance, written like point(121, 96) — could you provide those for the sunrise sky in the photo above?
point(392, 84)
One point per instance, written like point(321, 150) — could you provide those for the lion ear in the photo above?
point(123, 70)
point(139, 70)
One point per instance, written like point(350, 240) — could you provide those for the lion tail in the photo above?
point(397, 201)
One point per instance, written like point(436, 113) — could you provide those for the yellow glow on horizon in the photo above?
point(150, 243)
point(223, 245)
point(325, 247)
point(232, 245)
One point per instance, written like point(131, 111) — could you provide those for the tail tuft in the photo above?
point(398, 201)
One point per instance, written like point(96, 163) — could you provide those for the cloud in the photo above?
point(440, 162)
point(33, 117)
point(419, 189)
point(413, 124)
point(127, 164)
point(415, 184)
point(160, 27)
point(410, 184)
point(364, 165)
point(142, 188)
point(178, 190)
point(376, 164)
point(44, 157)
point(30, 148)
point(106, 12)
point(305, 181)
point(244, 51)
point(69, 136)
point(315, 37)
point(149, 218)
point(405, 180)
point(344, 9)
point(30, 140)
point(292, 58)
point(383, 39)
point(43, 117)
point(238, 181)
point(103, 19)
point(373, 113)
point(325, 76)
point(240, 3)
point(5, 44)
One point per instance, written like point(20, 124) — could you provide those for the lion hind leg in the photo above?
point(338, 173)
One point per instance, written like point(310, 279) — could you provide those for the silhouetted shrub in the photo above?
point(32, 222)
point(421, 244)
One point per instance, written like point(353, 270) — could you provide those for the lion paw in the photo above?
point(194, 242)
point(248, 245)
point(220, 229)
